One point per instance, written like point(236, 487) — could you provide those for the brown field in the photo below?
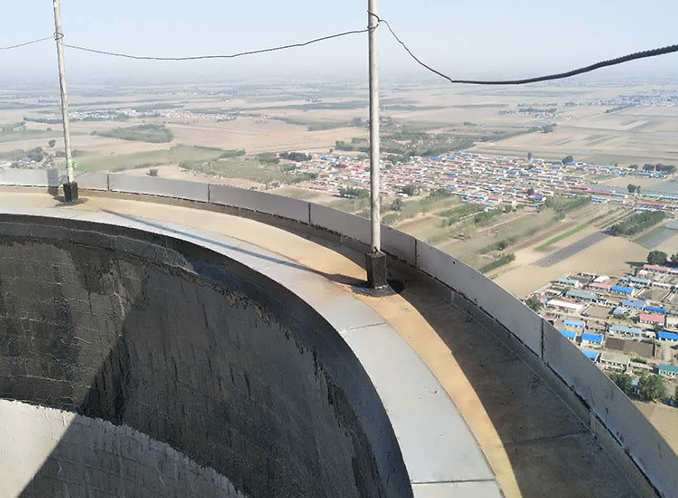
point(643, 134)
point(622, 137)
point(644, 183)
point(664, 418)
point(611, 256)
point(637, 135)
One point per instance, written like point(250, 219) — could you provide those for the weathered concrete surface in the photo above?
point(159, 186)
point(52, 453)
point(36, 177)
point(194, 350)
point(456, 349)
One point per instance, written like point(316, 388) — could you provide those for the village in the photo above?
point(491, 180)
point(626, 324)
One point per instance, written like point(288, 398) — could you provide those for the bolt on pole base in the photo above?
point(71, 191)
point(376, 269)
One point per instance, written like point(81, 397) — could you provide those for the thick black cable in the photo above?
point(598, 65)
point(27, 43)
point(229, 56)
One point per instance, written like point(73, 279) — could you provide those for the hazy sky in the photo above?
point(487, 37)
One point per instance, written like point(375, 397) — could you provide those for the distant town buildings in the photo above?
point(627, 323)
point(494, 181)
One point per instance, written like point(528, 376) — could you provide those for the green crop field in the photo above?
point(562, 236)
point(245, 169)
point(29, 135)
point(157, 134)
point(175, 155)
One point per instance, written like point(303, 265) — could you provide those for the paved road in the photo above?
point(570, 250)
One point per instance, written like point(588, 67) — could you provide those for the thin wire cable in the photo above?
point(598, 65)
point(27, 43)
point(229, 56)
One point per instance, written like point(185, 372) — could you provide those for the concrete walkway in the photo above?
point(534, 443)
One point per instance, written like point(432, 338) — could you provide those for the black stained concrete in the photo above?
point(194, 350)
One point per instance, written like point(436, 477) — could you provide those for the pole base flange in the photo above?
point(71, 191)
point(377, 273)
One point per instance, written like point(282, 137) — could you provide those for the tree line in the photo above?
point(637, 223)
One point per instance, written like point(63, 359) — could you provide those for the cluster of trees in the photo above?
point(353, 193)
point(561, 204)
point(428, 145)
point(36, 154)
point(663, 168)
point(657, 258)
point(151, 133)
point(268, 158)
point(649, 388)
point(439, 193)
point(534, 304)
point(633, 188)
point(230, 153)
point(354, 146)
point(661, 258)
point(113, 116)
point(531, 109)
point(660, 168)
point(299, 157)
point(486, 216)
point(637, 223)
point(455, 214)
point(619, 108)
point(548, 128)
point(10, 127)
point(42, 120)
point(303, 177)
point(405, 143)
point(500, 245)
point(502, 260)
point(409, 190)
point(568, 159)
point(397, 204)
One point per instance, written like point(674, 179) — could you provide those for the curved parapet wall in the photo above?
point(610, 414)
point(190, 359)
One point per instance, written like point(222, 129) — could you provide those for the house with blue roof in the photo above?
point(638, 281)
point(633, 332)
point(633, 304)
point(591, 355)
point(585, 296)
point(592, 340)
point(619, 311)
point(670, 371)
point(570, 281)
point(576, 324)
point(570, 334)
point(656, 309)
point(666, 336)
point(620, 289)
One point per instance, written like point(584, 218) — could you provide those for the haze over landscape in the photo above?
point(564, 193)
point(476, 39)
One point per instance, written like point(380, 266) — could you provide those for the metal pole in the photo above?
point(377, 273)
point(374, 128)
point(62, 87)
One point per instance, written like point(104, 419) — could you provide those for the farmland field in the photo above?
point(571, 250)
point(173, 155)
point(312, 117)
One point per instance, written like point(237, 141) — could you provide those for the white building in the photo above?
point(614, 361)
point(565, 305)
